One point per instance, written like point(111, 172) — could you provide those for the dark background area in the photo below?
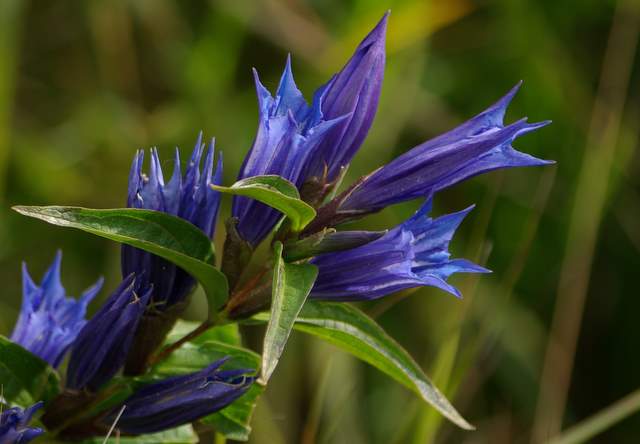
point(85, 84)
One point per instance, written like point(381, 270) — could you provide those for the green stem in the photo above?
point(601, 421)
point(206, 325)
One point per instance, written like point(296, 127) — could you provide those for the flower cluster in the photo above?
point(308, 146)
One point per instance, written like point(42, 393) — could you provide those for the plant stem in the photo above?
point(601, 421)
point(171, 348)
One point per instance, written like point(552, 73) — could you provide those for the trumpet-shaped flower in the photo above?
point(288, 132)
point(413, 254)
point(479, 145)
point(101, 348)
point(49, 321)
point(14, 425)
point(188, 196)
point(181, 399)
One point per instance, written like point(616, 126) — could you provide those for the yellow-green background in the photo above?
point(84, 84)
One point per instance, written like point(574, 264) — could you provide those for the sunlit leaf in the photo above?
point(276, 192)
point(291, 286)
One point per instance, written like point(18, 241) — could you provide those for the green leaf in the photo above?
point(233, 421)
point(167, 236)
point(25, 378)
point(291, 286)
point(276, 192)
point(215, 343)
point(348, 328)
point(180, 435)
point(227, 333)
point(193, 357)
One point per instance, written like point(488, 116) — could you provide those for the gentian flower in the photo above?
point(304, 144)
point(413, 254)
point(288, 131)
point(14, 425)
point(49, 321)
point(477, 146)
point(189, 197)
point(101, 348)
point(353, 91)
point(181, 399)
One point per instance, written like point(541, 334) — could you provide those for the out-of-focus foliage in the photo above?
point(85, 84)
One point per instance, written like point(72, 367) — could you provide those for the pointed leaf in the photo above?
point(276, 192)
point(167, 236)
point(350, 329)
point(291, 286)
point(25, 378)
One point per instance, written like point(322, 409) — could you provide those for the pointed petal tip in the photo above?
point(382, 24)
point(56, 265)
point(199, 141)
point(508, 97)
point(379, 32)
point(542, 124)
point(475, 268)
point(287, 80)
point(452, 290)
point(462, 214)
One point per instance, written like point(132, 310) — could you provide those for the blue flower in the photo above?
point(413, 254)
point(101, 348)
point(477, 146)
point(300, 142)
point(288, 131)
point(49, 321)
point(14, 425)
point(354, 91)
point(189, 197)
point(181, 399)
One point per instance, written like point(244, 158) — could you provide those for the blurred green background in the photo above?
point(545, 341)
